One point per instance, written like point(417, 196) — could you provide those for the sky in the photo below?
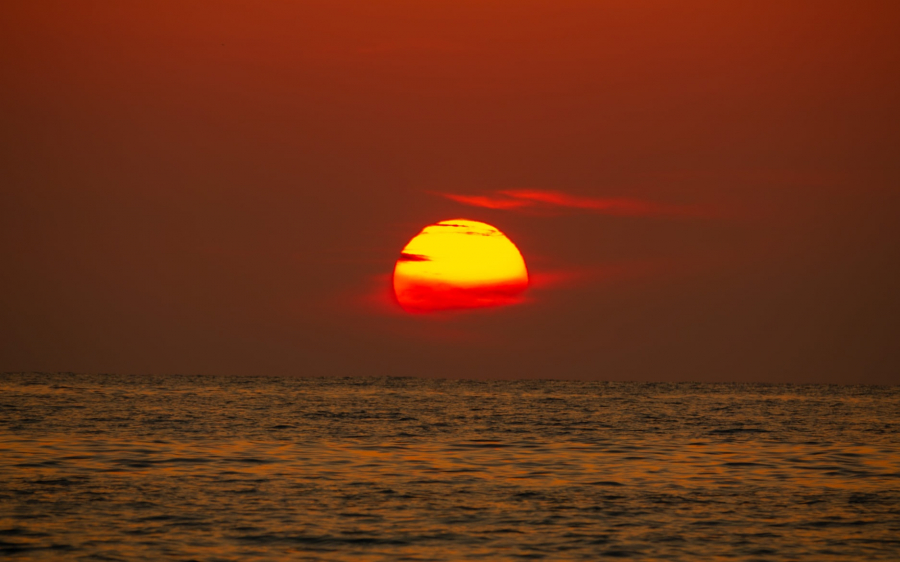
point(701, 190)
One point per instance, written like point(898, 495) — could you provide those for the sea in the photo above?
point(112, 467)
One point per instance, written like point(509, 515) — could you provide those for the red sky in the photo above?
point(223, 187)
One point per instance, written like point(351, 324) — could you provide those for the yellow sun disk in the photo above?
point(458, 255)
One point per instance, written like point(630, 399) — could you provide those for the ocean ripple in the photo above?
point(222, 468)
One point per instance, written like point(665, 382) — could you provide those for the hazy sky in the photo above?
point(224, 187)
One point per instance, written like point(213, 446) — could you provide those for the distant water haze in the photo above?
point(202, 468)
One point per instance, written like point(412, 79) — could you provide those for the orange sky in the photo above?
point(224, 187)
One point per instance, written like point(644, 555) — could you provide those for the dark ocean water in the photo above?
point(217, 468)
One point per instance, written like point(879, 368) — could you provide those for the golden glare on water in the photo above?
point(458, 264)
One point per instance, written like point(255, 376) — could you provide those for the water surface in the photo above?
point(106, 467)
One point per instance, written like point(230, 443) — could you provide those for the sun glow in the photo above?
point(459, 264)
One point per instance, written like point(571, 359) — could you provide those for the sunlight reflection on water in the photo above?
point(383, 469)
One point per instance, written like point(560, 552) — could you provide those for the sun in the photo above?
point(458, 264)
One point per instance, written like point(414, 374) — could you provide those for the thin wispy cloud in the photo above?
point(488, 202)
point(535, 199)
